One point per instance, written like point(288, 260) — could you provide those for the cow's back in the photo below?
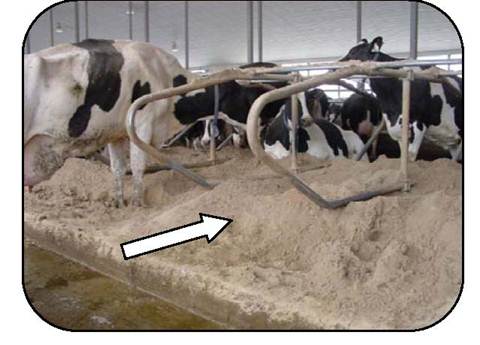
point(81, 92)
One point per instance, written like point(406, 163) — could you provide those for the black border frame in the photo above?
point(254, 330)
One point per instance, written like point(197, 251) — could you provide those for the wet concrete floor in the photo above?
point(74, 297)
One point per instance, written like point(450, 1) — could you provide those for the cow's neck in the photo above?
point(386, 89)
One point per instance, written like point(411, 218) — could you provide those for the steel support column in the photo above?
point(260, 30)
point(52, 39)
point(358, 30)
point(147, 21)
point(77, 21)
point(187, 43)
point(249, 31)
point(413, 30)
point(130, 20)
point(86, 19)
point(406, 89)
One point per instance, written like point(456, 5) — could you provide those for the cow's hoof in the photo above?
point(120, 203)
point(138, 202)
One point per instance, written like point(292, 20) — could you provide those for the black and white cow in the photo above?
point(235, 101)
point(334, 113)
point(199, 135)
point(76, 98)
point(239, 135)
point(436, 109)
point(316, 137)
point(361, 114)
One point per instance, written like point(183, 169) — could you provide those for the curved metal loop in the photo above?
point(173, 91)
point(345, 70)
point(258, 151)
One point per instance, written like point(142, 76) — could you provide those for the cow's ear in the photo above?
point(376, 44)
point(363, 41)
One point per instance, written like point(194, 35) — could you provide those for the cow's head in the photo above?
point(42, 157)
point(53, 89)
point(207, 133)
point(364, 50)
point(317, 103)
point(333, 113)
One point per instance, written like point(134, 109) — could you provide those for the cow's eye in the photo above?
point(76, 89)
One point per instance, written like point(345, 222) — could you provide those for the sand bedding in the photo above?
point(392, 262)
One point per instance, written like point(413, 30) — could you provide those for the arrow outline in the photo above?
point(228, 220)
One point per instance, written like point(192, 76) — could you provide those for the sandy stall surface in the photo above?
point(393, 262)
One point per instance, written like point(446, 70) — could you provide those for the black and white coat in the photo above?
point(316, 137)
point(436, 109)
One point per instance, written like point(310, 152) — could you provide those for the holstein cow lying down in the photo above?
point(362, 114)
point(317, 137)
point(436, 109)
point(235, 101)
point(198, 136)
point(76, 98)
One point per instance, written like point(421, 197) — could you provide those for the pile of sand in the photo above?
point(391, 262)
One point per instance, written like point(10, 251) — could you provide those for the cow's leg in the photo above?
point(375, 149)
point(417, 130)
point(117, 165)
point(238, 138)
point(456, 152)
point(138, 160)
point(394, 129)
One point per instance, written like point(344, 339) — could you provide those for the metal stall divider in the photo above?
point(342, 70)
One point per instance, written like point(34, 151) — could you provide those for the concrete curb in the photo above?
point(184, 286)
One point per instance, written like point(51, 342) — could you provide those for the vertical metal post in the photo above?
point(77, 21)
point(187, 36)
point(213, 148)
point(52, 39)
point(405, 130)
point(147, 21)
point(260, 30)
point(358, 30)
point(130, 20)
point(214, 126)
point(413, 30)
point(249, 31)
point(406, 86)
point(293, 131)
point(86, 19)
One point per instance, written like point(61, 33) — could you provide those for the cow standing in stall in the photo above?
point(436, 109)
point(76, 98)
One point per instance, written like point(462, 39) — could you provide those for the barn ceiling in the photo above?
point(218, 29)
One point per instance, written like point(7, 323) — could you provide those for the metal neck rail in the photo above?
point(200, 83)
point(366, 68)
point(344, 70)
point(319, 66)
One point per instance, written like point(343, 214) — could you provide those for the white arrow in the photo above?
point(209, 226)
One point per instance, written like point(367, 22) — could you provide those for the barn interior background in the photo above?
point(388, 263)
point(206, 36)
